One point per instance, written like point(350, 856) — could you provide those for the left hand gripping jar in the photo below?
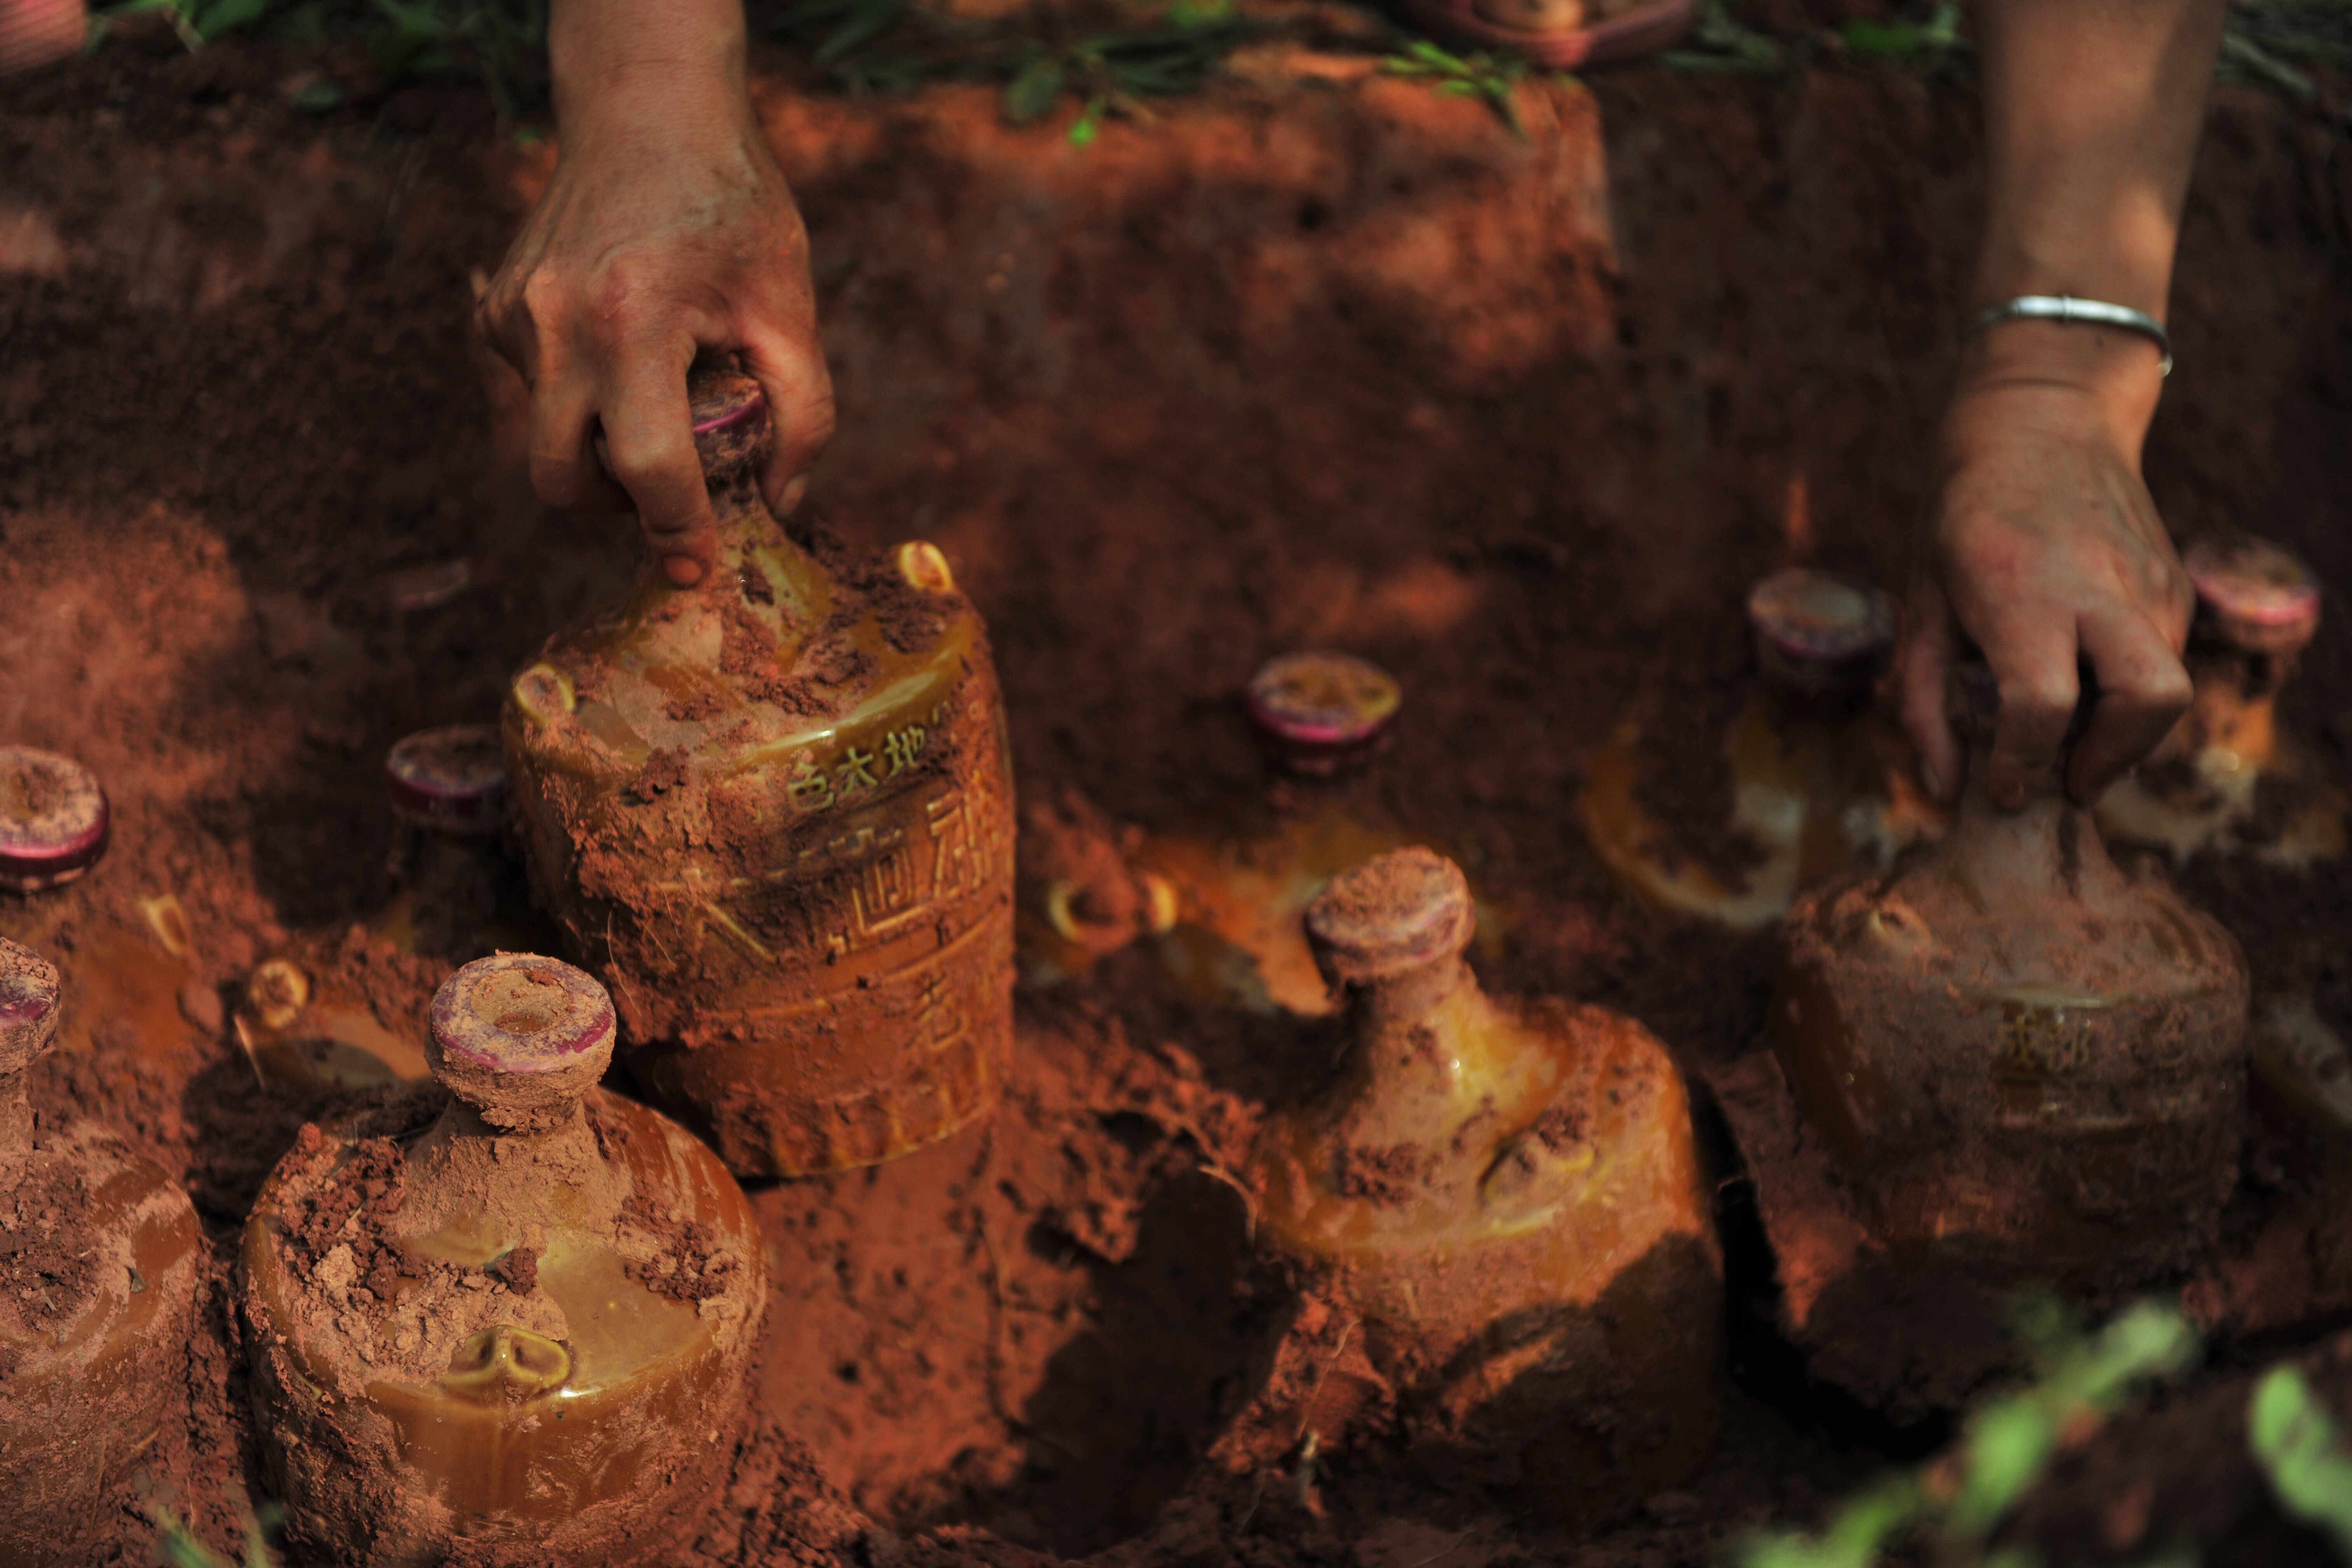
point(774, 814)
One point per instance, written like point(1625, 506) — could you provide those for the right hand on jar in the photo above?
point(667, 230)
point(2048, 556)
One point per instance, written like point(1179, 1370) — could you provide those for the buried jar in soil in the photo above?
point(97, 1276)
point(507, 1321)
point(1820, 782)
point(772, 812)
point(1507, 1194)
point(2028, 1058)
point(2239, 786)
point(344, 1007)
point(1223, 896)
point(130, 974)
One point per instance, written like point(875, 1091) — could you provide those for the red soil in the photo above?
point(1321, 358)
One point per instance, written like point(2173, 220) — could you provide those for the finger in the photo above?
point(564, 470)
point(649, 442)
point(2031, 653)
point(791, 369)
point(1923, 666)
point(503, 320)
point(2143, 691)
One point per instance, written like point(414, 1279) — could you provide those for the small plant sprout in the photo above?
point(1903, 40)
point(2303, 1454)
point(1719, 44)
point(1954, 1503)
point(179, 1547)
point(1465, 76)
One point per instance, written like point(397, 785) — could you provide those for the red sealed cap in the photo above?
point(731, 418)
point(1401, 911)
point(520, 1037)
point(1320, 711)
point(1820, 635)
point(452, 778)
point(53, 820)
point(2252, 595)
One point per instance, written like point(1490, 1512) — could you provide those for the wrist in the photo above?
point(628, 72)
point(2113, 373)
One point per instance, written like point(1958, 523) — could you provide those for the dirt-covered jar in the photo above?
point(772, 812)
point(2028, 1058)
point(503, 1319)
point(98, 1280)
point(1507, 1195)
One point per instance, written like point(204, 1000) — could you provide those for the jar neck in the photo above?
point(1421, 1062)
point(2048, 843)
point(16, 1121)
point(2236, 705)
point(467, 1177)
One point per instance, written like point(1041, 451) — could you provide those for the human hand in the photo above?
point(2048, 555)
point(666, 229)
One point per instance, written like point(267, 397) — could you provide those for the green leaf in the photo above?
point(1882, 40)
point(1191, 15)
point(228, 16)
point(2302, 1453)
point(1854, 1538)
point(2006, 1446)
point(1032, 90)
point(1082, 134)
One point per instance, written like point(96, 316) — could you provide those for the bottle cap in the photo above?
point(53, 820)
point(452, 779)
point(1390, 916)
point(2252, 595)
point(1819, 636)
point(30, 989)
point(1321, 710)
point(731, 418)
point(520, 1038)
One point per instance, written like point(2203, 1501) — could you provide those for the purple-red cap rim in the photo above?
point(1403, 909)
point(517, 1012)
point(1813, 616)
point(2253, 581)
point(54, 817)
point(1323, 699)
point(454, 771)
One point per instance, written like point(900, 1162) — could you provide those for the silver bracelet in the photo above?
point(2066, 307)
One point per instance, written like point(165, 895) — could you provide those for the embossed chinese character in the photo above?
point(903, 746)
point(856, 772)
point(810, 789)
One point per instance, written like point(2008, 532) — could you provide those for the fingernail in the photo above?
point(1932, 780)
point(796, 489)
point(684, 570)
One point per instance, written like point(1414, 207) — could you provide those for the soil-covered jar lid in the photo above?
point(1320, 711)
point(731, 419)
point(2252, 597)
point(1818, 637)
point(452, 779)
point(1388, 917)
point(521, 1037)
point(54, 819)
